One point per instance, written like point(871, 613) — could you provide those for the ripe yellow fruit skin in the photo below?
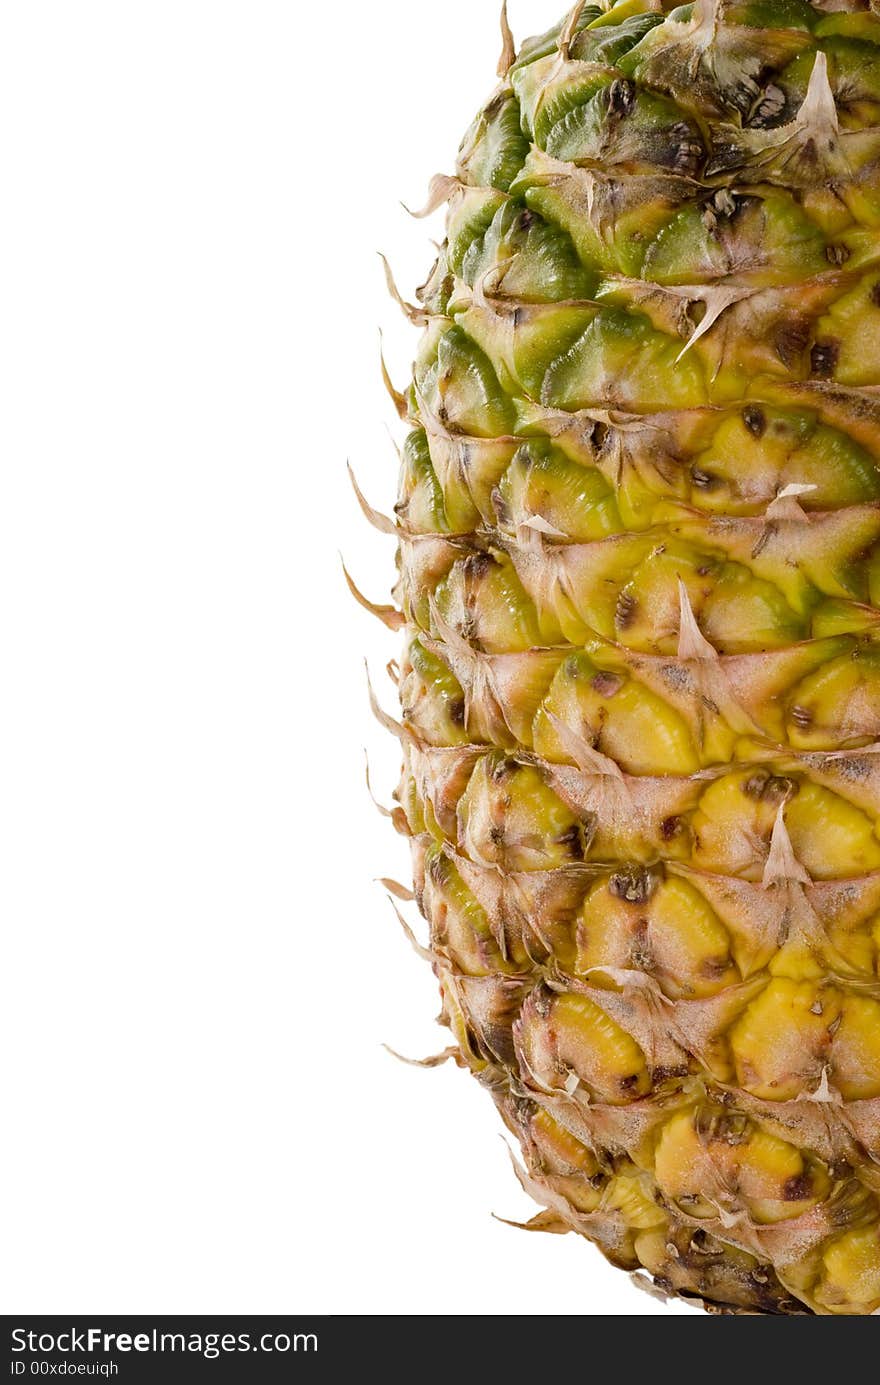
point(639, 584)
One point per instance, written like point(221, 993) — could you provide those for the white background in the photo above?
point(197, 972)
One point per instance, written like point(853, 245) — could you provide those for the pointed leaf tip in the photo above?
point(440, 189)
point(569, 29)
point(389, 615)
point(397, 398)
point(508, 51)
point(424, 952)
point(585, 756)
point(383, 523)
point(386, 721)
point(394, 887)
point(819, 110)
point(707, 15)
point(785, 505)
point(415, 315)
point(692, 643)
point(547, 1221)
point(436, 1061)
point(783, 866)
point(823, 1094)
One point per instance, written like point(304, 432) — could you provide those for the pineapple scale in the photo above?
point(639, 582)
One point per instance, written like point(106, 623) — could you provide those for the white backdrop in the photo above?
point(197, 972)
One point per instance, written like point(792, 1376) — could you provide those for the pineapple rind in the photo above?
point(639, 557)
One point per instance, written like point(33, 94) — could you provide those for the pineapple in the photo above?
point(639, 586)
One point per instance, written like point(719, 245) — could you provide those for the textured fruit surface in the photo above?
point(639, 578)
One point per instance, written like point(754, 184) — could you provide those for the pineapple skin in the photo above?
point(639, 582)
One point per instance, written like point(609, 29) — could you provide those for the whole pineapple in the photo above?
point(639, 532)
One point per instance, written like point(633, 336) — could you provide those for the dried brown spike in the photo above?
point(389, 615)
point(508, 50)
